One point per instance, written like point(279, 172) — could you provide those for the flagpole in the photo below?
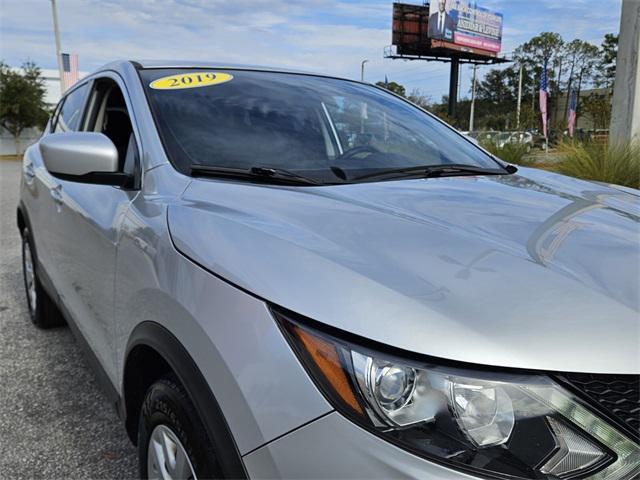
point(544, 95)
point(56, 32)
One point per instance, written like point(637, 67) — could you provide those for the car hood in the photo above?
point(532, 270)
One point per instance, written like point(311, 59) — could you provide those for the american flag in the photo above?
point(69, 69)
point(544, 94)
point(571, 119)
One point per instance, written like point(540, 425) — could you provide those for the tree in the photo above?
point(543, 46)
point(496, 88)
point(547, 46)
point(572, 65)
point(417, 97)
point(532, 55)
point(583, 58)
point(598, 107)
point(496, 99)
point(607, 66)
point(528, 115)
point(586, 61)
point(393, 87)
point(22, 102)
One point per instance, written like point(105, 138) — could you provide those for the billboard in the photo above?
point(410, 29)
point(465, 24)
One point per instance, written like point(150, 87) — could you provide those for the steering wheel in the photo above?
point(358, 150)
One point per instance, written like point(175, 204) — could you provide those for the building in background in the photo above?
point(585, 118)
point(52, 85)
point(29, 136)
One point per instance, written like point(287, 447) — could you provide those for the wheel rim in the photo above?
point(167, 458)
point(30, 277)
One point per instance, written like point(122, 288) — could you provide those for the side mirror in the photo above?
point(86, 157)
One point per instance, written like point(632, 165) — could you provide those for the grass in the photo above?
point(510, 152)
point(618, 164)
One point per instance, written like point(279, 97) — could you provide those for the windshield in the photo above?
point(309, 125)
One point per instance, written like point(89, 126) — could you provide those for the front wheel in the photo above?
point(42, 310)
point(172, 442)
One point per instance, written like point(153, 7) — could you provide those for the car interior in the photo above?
point(108, 114)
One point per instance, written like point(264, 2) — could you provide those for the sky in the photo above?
point(329, 36)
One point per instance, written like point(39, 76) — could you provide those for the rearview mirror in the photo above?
point(86, 157)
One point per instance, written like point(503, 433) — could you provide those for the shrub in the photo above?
point(618, 164)
point(510, 152)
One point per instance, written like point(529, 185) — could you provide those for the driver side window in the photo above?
point(69, 114)
point(108, 114)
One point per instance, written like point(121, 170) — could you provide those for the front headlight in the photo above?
point(502, 425)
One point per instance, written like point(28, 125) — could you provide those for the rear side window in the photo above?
point(68, 119)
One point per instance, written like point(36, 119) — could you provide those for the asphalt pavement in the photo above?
point(55, 422)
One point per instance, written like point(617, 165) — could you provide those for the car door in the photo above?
point(41, 198)
point(88, 221)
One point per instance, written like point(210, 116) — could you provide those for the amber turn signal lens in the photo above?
point(325, 357)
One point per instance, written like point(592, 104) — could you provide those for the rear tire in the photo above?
point(43, 311)
point(172, 442)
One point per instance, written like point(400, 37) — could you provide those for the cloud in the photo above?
point(332, 36)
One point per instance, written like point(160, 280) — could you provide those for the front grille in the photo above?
point(619, 395)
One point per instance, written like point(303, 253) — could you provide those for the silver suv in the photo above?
point(286, 275)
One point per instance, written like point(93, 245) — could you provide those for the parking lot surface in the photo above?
point(55, 422)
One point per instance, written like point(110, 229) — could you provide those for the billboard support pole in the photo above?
point(453, 86)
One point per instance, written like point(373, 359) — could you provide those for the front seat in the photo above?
point(117, 127)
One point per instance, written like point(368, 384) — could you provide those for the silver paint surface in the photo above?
point(79, 153)
point(533, 270)
point(257, 380)
point(333, 447)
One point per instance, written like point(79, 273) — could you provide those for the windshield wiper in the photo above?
point(443, 170)
point(253, 173)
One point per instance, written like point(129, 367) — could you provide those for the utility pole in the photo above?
point(362, 70)
point(56, 32)
point(473, 98)
point(519, 100)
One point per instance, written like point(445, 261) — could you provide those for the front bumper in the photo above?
point(334, 447)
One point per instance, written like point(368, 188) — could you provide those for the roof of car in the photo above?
point(201, 64)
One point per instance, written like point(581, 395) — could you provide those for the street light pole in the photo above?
point(56, 32)
point(362, 70)
point(473, 99)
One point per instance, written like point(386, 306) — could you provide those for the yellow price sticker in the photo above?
point(190, 80)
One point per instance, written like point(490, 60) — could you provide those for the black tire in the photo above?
point(167, 403)
point(45, 313)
